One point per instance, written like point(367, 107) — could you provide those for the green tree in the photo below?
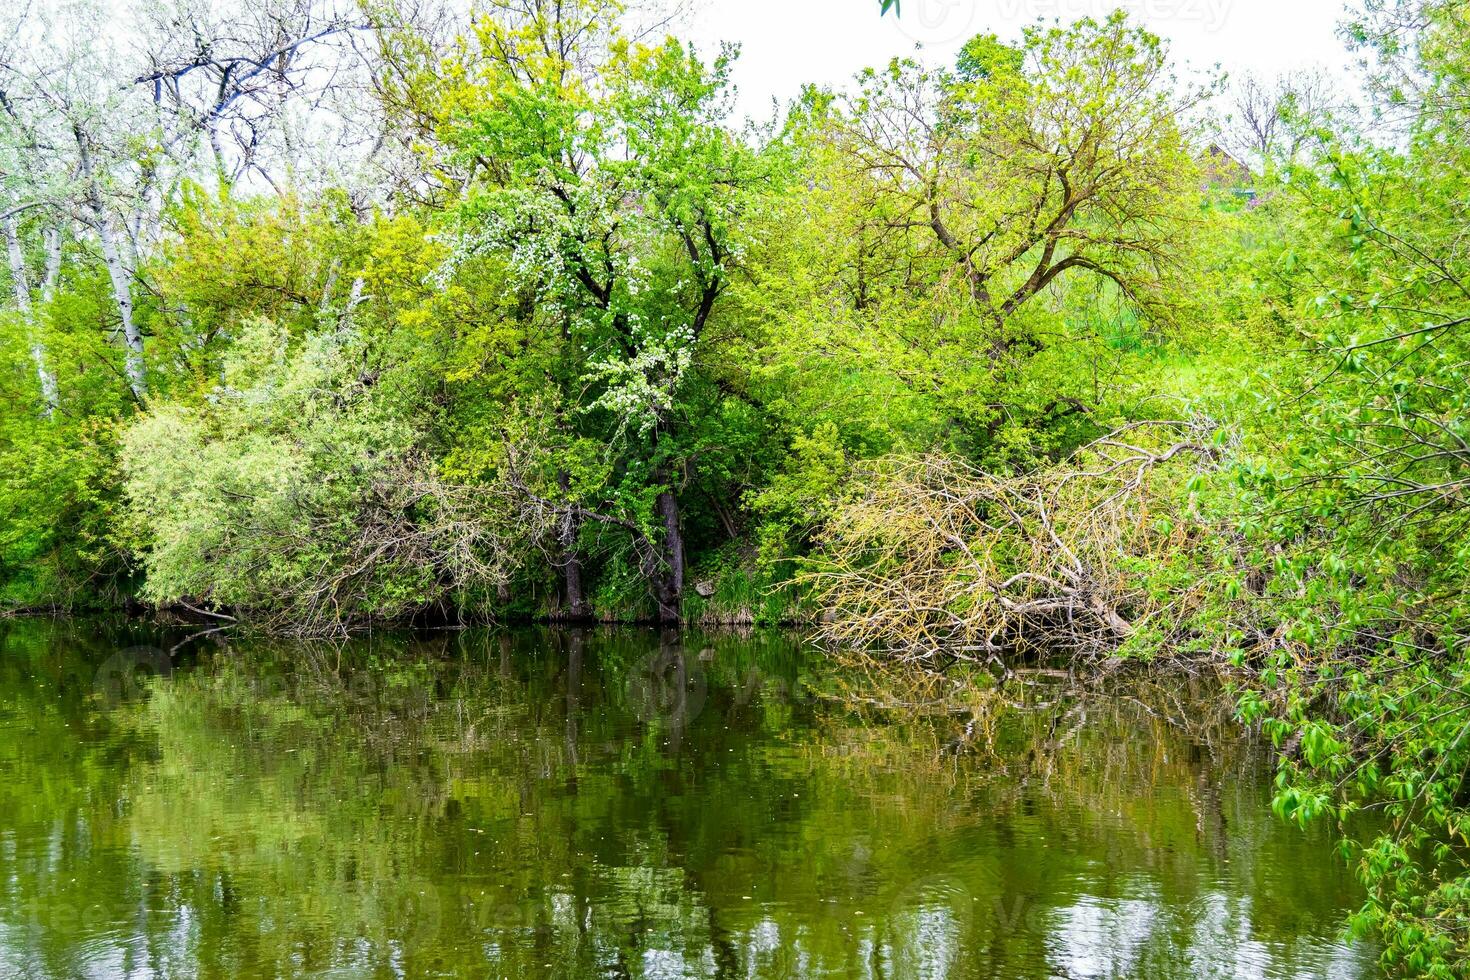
point(603, 182)
point(974, 212)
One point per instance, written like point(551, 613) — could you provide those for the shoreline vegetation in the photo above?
point(371, 313)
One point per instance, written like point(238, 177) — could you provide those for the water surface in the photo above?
point(626, 804)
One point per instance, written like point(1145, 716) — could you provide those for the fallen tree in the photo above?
point(932, 557)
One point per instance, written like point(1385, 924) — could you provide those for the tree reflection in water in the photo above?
point(629, 803)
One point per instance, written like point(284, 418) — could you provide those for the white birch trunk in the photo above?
point(221, 171)
point(52, 239)
point(119, 271)
point(23, 304)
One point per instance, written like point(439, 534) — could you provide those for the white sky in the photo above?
point(785, 43)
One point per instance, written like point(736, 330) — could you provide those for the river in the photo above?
point(625, 803)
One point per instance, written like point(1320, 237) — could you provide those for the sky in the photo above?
point(785, 43)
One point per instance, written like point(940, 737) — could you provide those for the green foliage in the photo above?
point(647, 339)
point(959, 236)
point(58, 519)
point(298, 492)
point(1358, 504)
point(586, 349)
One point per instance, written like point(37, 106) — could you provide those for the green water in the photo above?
point(543, 804)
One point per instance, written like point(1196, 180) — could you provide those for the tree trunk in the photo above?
point(574, 595)
point(577, 607)
point(52, 238)
point(119, 271)
point(121, 277)
point(221, 170)
point(23, 304)
point(669, 590)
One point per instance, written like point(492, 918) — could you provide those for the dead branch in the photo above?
point(935, 557)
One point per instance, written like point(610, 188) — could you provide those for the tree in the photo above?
point(20, 286)
point(1270, 123)
point(973, 240)
point(61, 98)
point(1064, 156)
point(229, 75)
point(300, 493)
point(602, 179)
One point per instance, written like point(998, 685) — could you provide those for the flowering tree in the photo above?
point(601, 179)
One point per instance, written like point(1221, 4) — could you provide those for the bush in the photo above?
point(299, 492)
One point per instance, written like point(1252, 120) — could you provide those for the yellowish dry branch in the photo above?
point(934, 556)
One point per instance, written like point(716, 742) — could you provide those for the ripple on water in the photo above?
point(545, 804)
